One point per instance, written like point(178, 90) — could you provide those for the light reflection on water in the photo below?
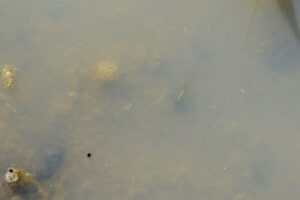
point(232, 135)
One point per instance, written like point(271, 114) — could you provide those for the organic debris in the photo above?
point(14, 176)
point(183, 88)
point(21, 182)
point(7, 76)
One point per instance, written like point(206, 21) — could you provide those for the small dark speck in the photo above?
point(89, 155)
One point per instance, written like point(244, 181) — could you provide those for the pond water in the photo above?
point(205, 104)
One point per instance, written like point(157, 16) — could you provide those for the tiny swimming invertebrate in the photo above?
point(89, 155)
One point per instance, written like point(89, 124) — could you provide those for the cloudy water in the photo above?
point(150, 99)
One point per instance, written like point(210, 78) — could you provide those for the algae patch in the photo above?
point(107, 71)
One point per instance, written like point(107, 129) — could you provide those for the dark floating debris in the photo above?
point(89, 155)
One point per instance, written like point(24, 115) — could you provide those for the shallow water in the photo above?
point(232, 135)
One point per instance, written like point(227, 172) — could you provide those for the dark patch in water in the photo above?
point(288, 9)
point(27, 191)
point(259, 174)
point(283, 57)
point(52, 164)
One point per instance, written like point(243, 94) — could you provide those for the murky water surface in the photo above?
point(200, 99)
